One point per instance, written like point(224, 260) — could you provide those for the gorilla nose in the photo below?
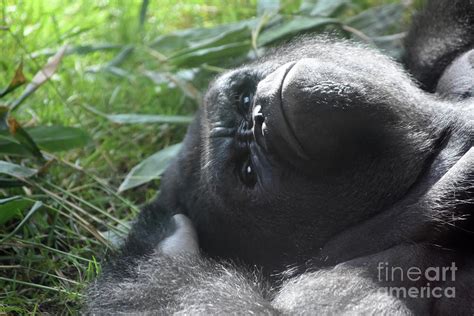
point(314, 111)
point(317, 103)
point(271, 128)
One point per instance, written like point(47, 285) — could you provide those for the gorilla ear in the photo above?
point(155, 222)
point(183, 241)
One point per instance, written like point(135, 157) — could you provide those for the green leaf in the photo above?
point(17, 80)
point(10, 146)
point(150, 168)
point(143, 10)
point(184, 41)
point(327, 8)
point(22, 137)
point(291, 27)
point(11, 207)
point(212, 55)
point(172, 42)
point(232, 42)
point(59, 138)
point(79, 50)
point(28, 215)
point(15, 170)
point(112, 66)
point(49, 138)
point(182, 79)
point(4, 114)
point(41, 77)
point(148, 118)
point(238, 34)
point(10, 183)
point(391, 44)
point(133, 118)
point(377, 21)
point(267, 6)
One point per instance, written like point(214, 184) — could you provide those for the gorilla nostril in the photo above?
point(257, 116)
point(264, 128)
point(259, 126)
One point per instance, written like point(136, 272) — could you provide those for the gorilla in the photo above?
point(320, 179)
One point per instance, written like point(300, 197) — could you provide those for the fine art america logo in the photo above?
point(415, 282)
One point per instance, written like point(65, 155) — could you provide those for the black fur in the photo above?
point(440, 33)
point(353, 166)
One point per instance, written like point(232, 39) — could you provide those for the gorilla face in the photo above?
point(300, 145)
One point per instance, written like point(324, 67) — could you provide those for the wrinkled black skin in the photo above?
point(368, 169)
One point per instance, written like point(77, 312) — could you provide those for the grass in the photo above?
point(44, 267)
point(46, 263)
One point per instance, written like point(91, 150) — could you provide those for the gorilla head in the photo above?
point(296, 147)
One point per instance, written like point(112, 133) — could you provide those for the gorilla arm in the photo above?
point(175, 278)
point(442, 208)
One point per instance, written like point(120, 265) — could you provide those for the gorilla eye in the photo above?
point(247, 174)
point(245, 101)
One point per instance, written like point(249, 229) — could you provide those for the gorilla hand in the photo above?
point(183, 240)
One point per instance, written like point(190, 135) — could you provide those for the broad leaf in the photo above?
point(197, 38)
point(59, 138)
point(36, 206)
point(291, 27)
point(15, 170)
point(10, 146)
point(328, 8)
point(49, 138)
point(231, 43)
point(18, 80)
point(41, 77)
point(239, 34)
point(267, 6)
point(181, 79)
point(10, 183)
point(148, 118)
point(150, 168)
point(4, 113)
point(79, 50)
point(143, 10)
point(169, 43)
point(377, 21)
point(11, 207)
point(112, 66)
point(212, 55)
point(391, 44)
point(24, 138)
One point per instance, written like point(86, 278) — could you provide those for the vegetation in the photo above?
point(90, 91)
